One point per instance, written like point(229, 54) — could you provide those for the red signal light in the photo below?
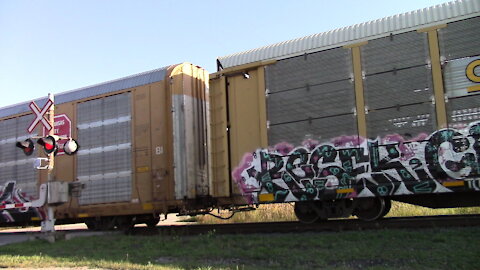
point(27, 146)
point(49, 144)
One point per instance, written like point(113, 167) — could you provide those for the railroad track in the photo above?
point(326, 226)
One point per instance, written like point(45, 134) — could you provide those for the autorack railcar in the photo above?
point(340, 123)
point(344, 121)
point(143, 150)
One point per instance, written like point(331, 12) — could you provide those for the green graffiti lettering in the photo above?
point(334, 170)
point(423, 187)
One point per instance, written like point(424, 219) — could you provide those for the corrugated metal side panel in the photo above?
point(322, 130)
point(180, 148)
point(405, 22)
point(460, 39)
point(392, 89)
point(311, 102)
point(189, 105)
point(459, 46)
point(104, 162)
point(408, 121)
point(395, 52)
point(463, 111)
point(94, 90)
point(398, 86)
point(218, 138)
point(309, 69)
point(311, 97)
point(14, 165)
point(189, 145)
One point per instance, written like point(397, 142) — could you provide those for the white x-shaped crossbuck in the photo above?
point(40, 115)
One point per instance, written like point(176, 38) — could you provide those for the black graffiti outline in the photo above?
point(385, 168)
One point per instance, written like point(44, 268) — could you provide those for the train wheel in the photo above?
point(101, 224)
point(152, 223)
point(124, 223)
point(369, 209)
point(388, 206)
point(91, 225)
point(106, 223)
point(305, 212)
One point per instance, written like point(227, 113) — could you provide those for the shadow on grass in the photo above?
point(120, 252)
point(384, 249)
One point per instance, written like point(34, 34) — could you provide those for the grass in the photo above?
point(284, 212)
point(384, 249)
point(454, 248)
point(264, 213)
point(404, 209)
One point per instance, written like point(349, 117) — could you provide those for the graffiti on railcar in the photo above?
point(351, 166)
point(10, 193)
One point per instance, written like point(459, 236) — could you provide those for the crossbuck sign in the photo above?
point(40, 115)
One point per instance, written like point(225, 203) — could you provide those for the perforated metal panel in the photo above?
point(402, 87)
point(14, 165)
point(311, 102)
point(395, 52)
point(322, 129)
point(119, 189)
point(463, 110)
point(407, 121)
point(316, 68)
point(104, 161)
point(460, 39)
point(309, 96)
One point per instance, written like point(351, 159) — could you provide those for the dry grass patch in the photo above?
point(284, 212)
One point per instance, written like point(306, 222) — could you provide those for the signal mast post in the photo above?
point(52, 192)
point(48, 225)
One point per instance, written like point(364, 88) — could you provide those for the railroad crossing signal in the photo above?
point(27, 146)
point(49, 144)
point(40, 115)
point(62, 127)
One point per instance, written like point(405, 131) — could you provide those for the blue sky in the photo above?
point(55, 46)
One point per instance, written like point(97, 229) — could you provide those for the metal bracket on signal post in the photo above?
point(37, 164)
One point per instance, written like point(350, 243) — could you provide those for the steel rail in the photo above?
point(338, 225)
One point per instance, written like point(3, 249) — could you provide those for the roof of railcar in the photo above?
point(140, 79)
point(422, 18)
